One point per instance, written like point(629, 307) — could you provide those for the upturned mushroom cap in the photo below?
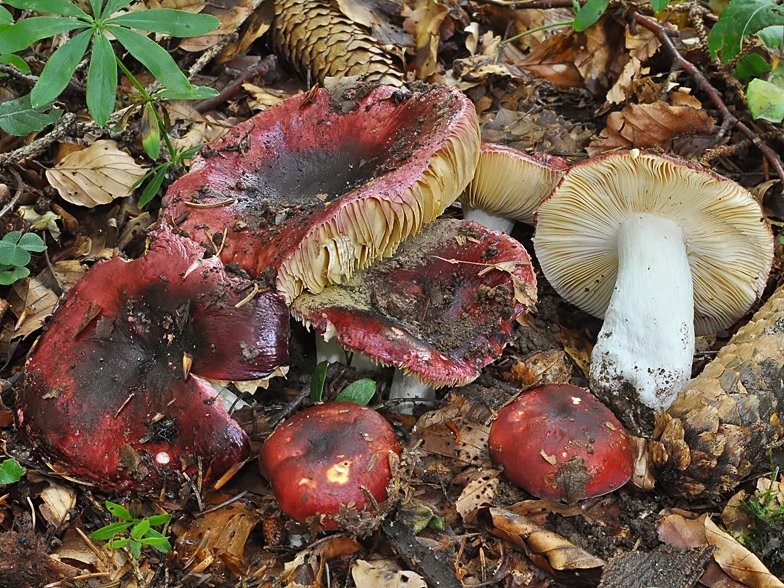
point(322, 458)
point(510, 184)
point(111, 391)
point(559, 442)
point(439, 308)
point(322, 184)
point(729, 244)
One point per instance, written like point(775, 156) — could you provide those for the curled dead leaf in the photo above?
point(96, 175)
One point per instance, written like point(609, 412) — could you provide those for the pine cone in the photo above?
point(719, 428)
point(318, 41)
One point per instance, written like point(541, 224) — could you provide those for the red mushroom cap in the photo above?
point(110, 391)
point(440, 307)
point(322, 457)
point(322, 184)
point(560, 443)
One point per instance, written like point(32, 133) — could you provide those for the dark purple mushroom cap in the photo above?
point(111, 391)
point(322, 184)
point(441, 307)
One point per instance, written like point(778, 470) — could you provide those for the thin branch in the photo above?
point(15, 199)
point(702, 82)
point(259, 69)
point(59, 130)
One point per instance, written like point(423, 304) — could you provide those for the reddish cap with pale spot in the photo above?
point(111, 392)
point(322, 184)
point(440, 308)
point(560, 443)
point(322, 457)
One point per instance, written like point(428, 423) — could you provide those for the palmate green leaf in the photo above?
point(110, 531)
point(591, 12)
point(32, 242)
point(101, 80)
point(12, 254)
point(113, 6)
point(64, 7)
point(11, 275)
point(176, 23)
point(18, 117)
point(59, 69)
point(10, 471)
point(154, 57)
point(740, 19)
point(766, 100)
point(28, 31)
point(360, 392)
point(96, 7)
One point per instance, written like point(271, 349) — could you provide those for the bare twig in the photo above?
point(59, 130)
point(702, 82)
point(259, 69)
point(17, 195)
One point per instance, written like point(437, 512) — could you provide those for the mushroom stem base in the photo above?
point(491, 221)
point(408, 386)
point(643, 355)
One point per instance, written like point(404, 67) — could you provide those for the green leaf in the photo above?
point(101, 80)
point(12, 254)
point(59, 69)
point(176, 23)
point(195, 93)
point(28, 31)
point(110, 531)
point(17, 117)
point(96, 7)
point(150, 131)
point(659, 5)
point(136, 549)
point(12, 275)
point(10, 471)
point(153, 57)
point(740, 19)
point(119, 543)
point(113, 6)
point(317, 381)
point(773, 37)
point(16, 61)
point(140, 529)
point(151, 189)
point(360, 392)
point(589, 14)
point(158, 543)
point(6, 18)
point(157, 520)
point(119, 511)
point(751, 66)
point(766, 100)
point(12, 237)
point(32, 242)
point(63, 7)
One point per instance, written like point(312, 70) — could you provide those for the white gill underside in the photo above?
point(647, 340)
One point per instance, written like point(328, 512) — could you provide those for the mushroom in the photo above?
point(327, 457)
point(508, 185)
point(439, 309)
point(559, 442)
point(660, 249)
point(324, 183)
point(110, 392)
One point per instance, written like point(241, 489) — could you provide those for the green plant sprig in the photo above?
point(133, 532)
point(15, 249)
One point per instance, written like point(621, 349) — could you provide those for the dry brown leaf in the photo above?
point(598, 54)
point(544, 367)
point(625, 84)
point(383, 574)
point(254, 27)
point(553, 61)
point(536, 540)
point(377, 16)
point(680, 129)
point(57, 503)
point(423, 24)
point(263, 98)
point(468, 446)
point(230, 13)
point(578, 347)
point(478, 492)
point(96, 175)
point(32, 303)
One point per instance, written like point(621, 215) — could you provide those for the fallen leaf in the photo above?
point(32, 303)
point(96, 175)
point(598, 54)
point(545, 367)
point(230, 13)
point(477, 493)
point(383, 575)
point(553, 61)
point(57, 503)
point(423, 24)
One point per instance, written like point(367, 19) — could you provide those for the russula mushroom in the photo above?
point(324, 183)
point(325, 457)
point(559, 442)
point(439, 309)
point(508, 185)
point(111, 394)
point(660, 249)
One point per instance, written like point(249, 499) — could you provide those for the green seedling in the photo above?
point(10, 471)
point(133, 532)
point(359, 392)
point(15, 251)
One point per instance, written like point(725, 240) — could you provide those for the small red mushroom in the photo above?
point(560, 443)
point(114, 391)
point(323, 457)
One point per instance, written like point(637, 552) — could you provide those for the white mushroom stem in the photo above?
point(491, 221)
point(408, 386)
point(647, 341)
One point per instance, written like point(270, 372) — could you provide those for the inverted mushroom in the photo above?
point(322, 184)
point(508, 185)
point(111, 392)
point(327, 457)
point(660, 249)
point(560, 443)
point(440, 309)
